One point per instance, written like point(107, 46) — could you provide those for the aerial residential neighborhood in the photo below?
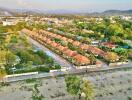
point(65, 54)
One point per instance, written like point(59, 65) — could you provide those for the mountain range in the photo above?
point(19, 12)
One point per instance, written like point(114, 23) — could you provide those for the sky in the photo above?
point(74, 5)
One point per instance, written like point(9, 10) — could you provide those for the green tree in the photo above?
point(24, 56)
point(72, 84)
point(115, 29)
point(7, 58)
point(111, 57)
point(2, 74)
point(116, 39)
point(2, 41)
point(87, 89)
point(10, 58)
point(92, 59)
point(70, 46)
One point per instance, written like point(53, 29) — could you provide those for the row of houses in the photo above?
point(77, 59)
point(88, 48)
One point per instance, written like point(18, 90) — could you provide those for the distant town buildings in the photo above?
point(9, 22)
point(127, 18)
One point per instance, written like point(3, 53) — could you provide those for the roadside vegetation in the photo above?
point(81, 88)
point(18, 56)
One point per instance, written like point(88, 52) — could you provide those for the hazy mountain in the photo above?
point(118, 12)
point(19, 12)
point(5, 12)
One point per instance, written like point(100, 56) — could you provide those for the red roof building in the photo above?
point(54, 44)
point(76, 43)
point(48, 41)
point(81, 60)
point(70, 53)
point(44, 39)
point(64, 39)
point(40, 37)
point(84, 47)
point(59, 36)
point(54, 36)
point(108, 45)
point(70, 40)
point(62, 48)
point(96, 51)
point(49, 34)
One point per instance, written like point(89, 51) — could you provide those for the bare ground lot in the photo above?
point(107, 86)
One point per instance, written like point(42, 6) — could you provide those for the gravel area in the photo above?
point(107, 86)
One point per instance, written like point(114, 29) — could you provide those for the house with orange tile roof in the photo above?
point(108, 45)
point(64, 39)
point(76, 43)
point(70, 53)
point(33, 33)
point(48, 41)
point(54, 44)
point(59, 36)
point(81, 60)
point(54, 35)
point(96, 51)
point(28, 32)
point(69, 40)
point(62, 48)
point(44, 32)
point(40, 37)
point(44, 39)
point(84, 47)
point(44, 35)
point(41, 31)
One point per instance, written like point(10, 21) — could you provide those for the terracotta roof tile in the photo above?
point(76, 43)
point(54, 35)
point(53, 44)
point(84, 46)
point(59, 36)
point(64, 39)
point(44, 39)
point(70, 53)
point(96, 51)
point(70, 40)
point(108, 45)
point(62, 48)
point(81, 59)
point(48, 41)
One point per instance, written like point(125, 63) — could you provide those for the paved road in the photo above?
point(57, 58)
point(54, 74)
